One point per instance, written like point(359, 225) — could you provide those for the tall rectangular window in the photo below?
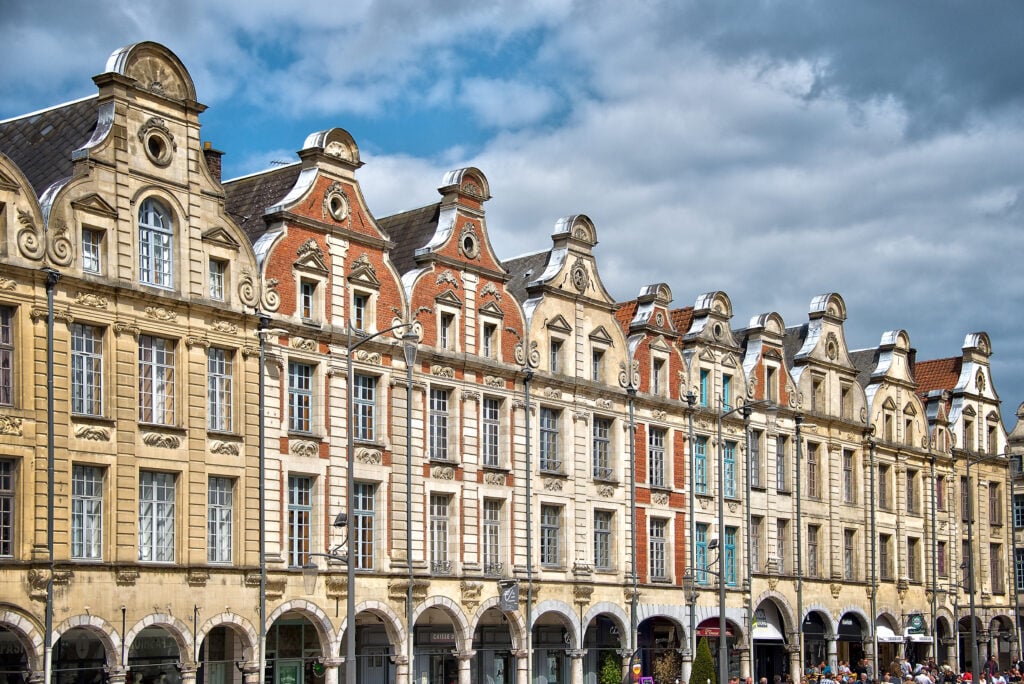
point(439, 562)
point(1018, 562)
point(364, 511)
point(812, 550)
point(941, 559)
point(780, 464)
point(360, 306)
point(883, 488)
point(549, 456)
point(220, 507)
point(782, 544)
point(849, 555)
point(705, 378)
point(6, 507)
point(965, 499)
point(940, 493)
point(218, 269)
point(156, 516)
point(438, 424)
point(772, 384)
point(813, 485)
point(965, 556)
point(700, 558)
point(218, 389)
point(700, 465)
point(729, 463)
point(554, 356)
point(1018, 510)
point(550, 535)
point(995, 504)
point(995, 568)
point(300, 519)
point(86, 513)
point(657, 376)
point(490, 431)
point(596, 361)
point(913, 559)
point(756, 532)
point(656, 548)
point(754, 460)
point(364, 407)
point(730, 556)
point(726, 392)
point(487, 340)
point(602, 449)
point(156, 380)
point(86, 370)
point(446, 334)
point(300, 397)
point(885, 556)
point(603, 540)
point(912, 491)
point(6, 356)
point(156, 245)
point(492, 537)
point(849, 490)
point(307, 299)
point(92, 241)
point(656, 457)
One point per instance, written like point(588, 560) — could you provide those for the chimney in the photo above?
point(212, 157)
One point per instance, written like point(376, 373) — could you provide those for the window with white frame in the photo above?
point(849, 487)
point(812, 550)
point(555, 355)
point(6, 356)
point(446, 332)
point(439, 562)
point(700, 465)
point(300, 397)
point(156, 380)
point(700, 558)
point(656, 457)
point(439, 424)
point(220, 513)
point(86, 513)
point(602, 448)
point(219, 389)
point(729, 463)
point(603, 540)
point(658, 374)
point(849, 555)
point(781, 475)
point(300, 519)
point(488, 340)
point(492, 537)
point(364, 512)
point(754, 460)
point(218, 276)
point(596, 364)
point(550, 535)
point(657, 549)
point(307, 299)
point(92, 255)
point(490, 433)
point(6, 507)
point(360, 310)
point(364, 407)
point(550, 460)
point(813, 479)
point(156, 516)
point(86, 370)
point(156, 244)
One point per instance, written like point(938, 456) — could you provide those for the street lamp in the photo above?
point(869, 435)
point(631, 393)
point(409, 340)
point(356, 339)
point(52, 276)
point(798, 420)
point(691, 401)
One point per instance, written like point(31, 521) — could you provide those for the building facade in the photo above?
point(209, 420)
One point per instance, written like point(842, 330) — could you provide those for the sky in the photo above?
point(773, 149)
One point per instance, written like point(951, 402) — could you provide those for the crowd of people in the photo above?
point(900, 671)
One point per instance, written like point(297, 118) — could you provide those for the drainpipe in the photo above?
point(529, 533)
point(52, 276)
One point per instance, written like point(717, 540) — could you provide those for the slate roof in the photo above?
point(41, 143)
point(865, 361)
point(249, 196)
point(409, 231)
point(937, 374)
point(523, 270)
point(792, 342)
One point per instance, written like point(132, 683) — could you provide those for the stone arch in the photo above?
point(313, 613)
point(824, 613)
point(851, 609)
point(235, 623)
point(612, 610)
point(154, 68)
point(452, 610)
point(28, 632)
point(565, 613)
point(514, 618)
point(100, 628)
point(398, 637)
point(786, 610)
point(176, 628)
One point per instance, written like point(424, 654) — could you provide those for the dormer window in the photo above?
point(658, 376)
point(92, 244)
point(156, 245)
point(446, 331)
point(360, 310)
point(554, 356)
point(818, 395)
point(705, 377)
point(596, 364)
point(307, 299)
point(772, 384)
point(218, 274)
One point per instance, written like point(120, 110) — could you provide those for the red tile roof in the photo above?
point(937, 374)
point(624, 314)
point(682, 319)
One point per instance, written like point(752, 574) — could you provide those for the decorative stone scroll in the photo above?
point(93, 433)
point(224, 448)
point(10, 425)
point(303, 343)
point(369, 456)
point(552, 393)
point(90, 299)
point(442, 371)
point(365, 356)
point(442, 473)
point(304, 448)
point(155, 439)
point(161, 314)
point(494, 478)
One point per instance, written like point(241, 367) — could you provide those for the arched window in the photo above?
point(156, 245)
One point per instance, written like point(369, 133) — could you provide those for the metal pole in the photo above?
point(52, 276)
point(691, 400)
point(1014, 470)
point(529, 534)
point(723, 649)
point(410, 359)
point(264, 323)
point(935, 565)
point(747, 410)
point(798, 420)
point(970, 574)
point(631, 393)
point(874, 555)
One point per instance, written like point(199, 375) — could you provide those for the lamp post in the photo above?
point(1015, 462)
point(409, 341)
point(869, 434)
point(527, 378)
point(798, 421)
point(52, 276)
point(356, 339)
point(691, 401)
point(631, 393)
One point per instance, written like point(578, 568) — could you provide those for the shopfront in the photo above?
point(493, 662)
point(918, 642)
point(13, 659)
point(709, 629)
point(551, 660)
point(815, 645)
point(79, 658)
point(434, 662)
point(769, 638)
point(850, 641)
point(889, 642)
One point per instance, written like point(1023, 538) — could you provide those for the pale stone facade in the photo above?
point(574, 450)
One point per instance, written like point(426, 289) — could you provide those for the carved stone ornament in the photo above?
point(603, 403)
point(161, 314)
point(310, 246)
point(624, 376)
point(270, 299)
point(39, 313)
point(490, 289)
point(369, 456)
point(224, 448)
point(733, 506)
point(10, 425)
point(123, 328)
point(836, 589)
point(494, 381)
point(581, 593)
point(657, 414)
point(470, 395)
point(773, 581)
point(90, 299)
point(659, 499)
point(155, 439)
point(552, 485)
point(197, 577)
point(552, 393)
point(578, 275)
point(363, 264)
point(366, 356)
point(582, 416)
point(335, 204)
point(6, 284)
point(247, 288)
point(92, 433)
point(495, 478)
point(442, 473)
point(605, 490)
point(704, 503)
point(303, 343)
point(447, 276)
point(831, 346)
point(304, 448)
point(224, 327)
point(471, 592)
point(126, 577)
point(30, 240)
point(442, 371)
point(197, 341)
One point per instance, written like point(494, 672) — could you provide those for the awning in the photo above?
point(766, 626)
point(918, 638)
point(885, 635)
point(709, 628)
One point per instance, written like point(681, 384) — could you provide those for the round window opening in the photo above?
point(469, 245)
point(338, 207)
point(158, 149)
point(717, 330)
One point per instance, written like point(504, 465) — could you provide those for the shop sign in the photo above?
point(915, 624)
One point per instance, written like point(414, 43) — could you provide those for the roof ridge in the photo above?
point(51, 108)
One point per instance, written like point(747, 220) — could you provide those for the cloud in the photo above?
point(506, 104)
